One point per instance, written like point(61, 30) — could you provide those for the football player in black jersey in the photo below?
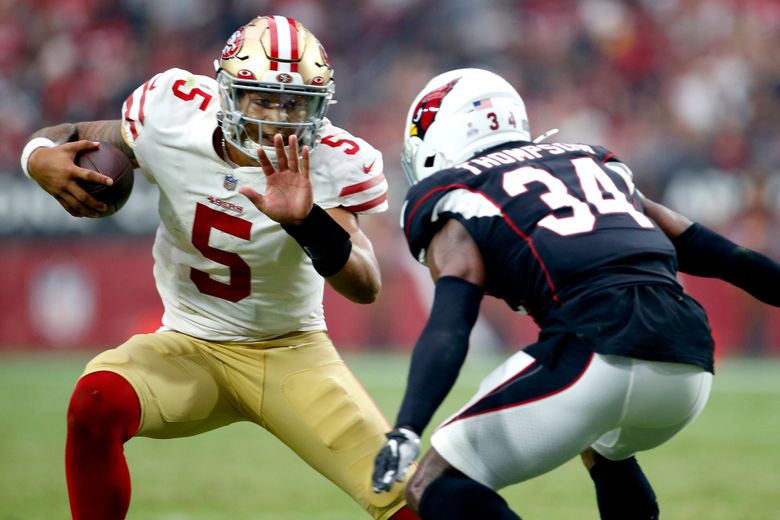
point(624, 358)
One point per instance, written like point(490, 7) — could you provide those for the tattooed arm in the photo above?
point(53, 168)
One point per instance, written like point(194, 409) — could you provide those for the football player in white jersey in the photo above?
point(259, 204)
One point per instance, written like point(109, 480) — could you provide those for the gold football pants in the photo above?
point(297, 387)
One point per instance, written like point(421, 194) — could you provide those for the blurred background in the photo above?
point(687, 92)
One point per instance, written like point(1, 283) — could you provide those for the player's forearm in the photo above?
point(59, 134)
point(440, 351)
point(108, 131)
point(338, 251)
point(90, 130)
point(359, 280)
point(702, 252)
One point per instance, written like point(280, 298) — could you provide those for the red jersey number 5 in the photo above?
point(189, 96)
point(240, 275)
point(351, 149)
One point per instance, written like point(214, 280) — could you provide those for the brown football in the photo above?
point(109, 161)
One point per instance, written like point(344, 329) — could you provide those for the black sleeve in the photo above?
point(702, 252)
point(440, 350)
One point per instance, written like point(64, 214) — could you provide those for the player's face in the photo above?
point(284, 108)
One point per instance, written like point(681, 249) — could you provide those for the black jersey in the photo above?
point(558, 225)
point(552, 221)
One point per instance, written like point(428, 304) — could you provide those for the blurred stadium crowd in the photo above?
point(687, 92)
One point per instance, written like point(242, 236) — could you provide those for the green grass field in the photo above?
point(726, 465)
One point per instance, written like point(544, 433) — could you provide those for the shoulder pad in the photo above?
point(167, 100)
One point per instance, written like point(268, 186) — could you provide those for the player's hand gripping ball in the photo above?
point(111, 162)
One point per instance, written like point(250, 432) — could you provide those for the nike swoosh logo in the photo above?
point(367, 168)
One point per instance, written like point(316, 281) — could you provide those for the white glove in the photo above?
point(394, 459)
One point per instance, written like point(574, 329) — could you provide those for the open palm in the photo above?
point(288, 196)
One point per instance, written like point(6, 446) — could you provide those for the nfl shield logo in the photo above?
point(230, 182)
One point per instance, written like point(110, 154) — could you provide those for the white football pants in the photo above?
point(617, 405)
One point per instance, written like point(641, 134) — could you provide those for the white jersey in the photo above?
point(224, 270)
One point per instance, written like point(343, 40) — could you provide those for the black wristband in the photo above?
point(323, 240)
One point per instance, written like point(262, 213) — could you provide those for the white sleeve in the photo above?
point(159, 113)
point(369, 193)
point(165, 103)
point(134, 110)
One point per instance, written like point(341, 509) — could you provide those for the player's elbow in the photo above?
point(357, 290)
point(359, 282)
point(366, 294)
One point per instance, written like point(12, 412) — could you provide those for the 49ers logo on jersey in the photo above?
point(233, 45)
point(426, 110)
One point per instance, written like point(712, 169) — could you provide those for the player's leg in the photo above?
point(153, 385)
point(664, 398)
point(315, 405)
point(439, 491)
point(528, 418)
point(622, 489)
point(103, 414)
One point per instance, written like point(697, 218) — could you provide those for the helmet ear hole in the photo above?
point(429, 161)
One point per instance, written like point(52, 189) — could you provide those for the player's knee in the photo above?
point(431, 467)
point(457, 496)
point(414, 490)
point(102, 404)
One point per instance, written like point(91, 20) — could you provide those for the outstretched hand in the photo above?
point(57, 173)
point(288, 195)
point(394, 459)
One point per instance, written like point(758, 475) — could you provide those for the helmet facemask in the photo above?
point(294, 109)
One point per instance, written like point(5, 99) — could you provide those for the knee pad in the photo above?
point(104, 403)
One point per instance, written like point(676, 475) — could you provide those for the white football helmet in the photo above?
point(278, 56)
point(458, 114)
